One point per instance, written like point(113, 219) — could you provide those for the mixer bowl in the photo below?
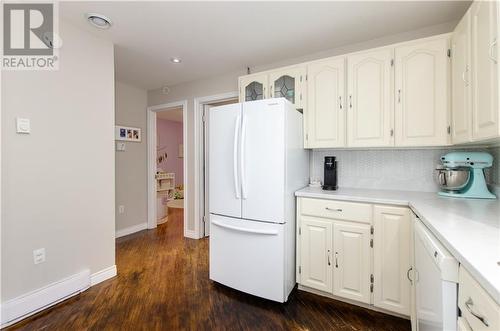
point(452, 179)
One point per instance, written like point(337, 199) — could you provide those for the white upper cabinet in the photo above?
point(325, 112)
point(421, 76)
point(370, 111)
point(352, 261)
point(287, 83)
point(461, 101)
point(392, 259)
point(485, 30)
point(253, 87)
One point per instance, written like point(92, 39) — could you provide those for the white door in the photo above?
point(248, 256)
point(263, 161)
point(288, 83)
point(316, 253)
point(421, 117)
point(253, 87)
point(370, 103)
point(352, 261)
point(391, 251)
point(485, 70)
point(326, 104)
point(461, 101)
point(223, 168)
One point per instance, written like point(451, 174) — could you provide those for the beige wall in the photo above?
point(58, 182)
point(131, 166)
point(229, 83)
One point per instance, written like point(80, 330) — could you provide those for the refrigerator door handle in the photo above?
point(242, 158)
point(237, 228)
point(235, 156)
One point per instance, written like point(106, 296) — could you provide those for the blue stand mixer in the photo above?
point(462, 175)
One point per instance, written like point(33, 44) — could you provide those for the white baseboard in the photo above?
point(191, 234)
point(32, 302)
point(17, 309)
point(131, 229)
point(103, 275)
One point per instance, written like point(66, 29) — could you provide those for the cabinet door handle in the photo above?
point(329, 258)
point(468, 304)
point(392, 132)
point(340, 102)
point(408, 275)
point(464, 75)
point(333, 209)
point(399, 96)
point(350, 101)
point(492, 45)
point(336, 260)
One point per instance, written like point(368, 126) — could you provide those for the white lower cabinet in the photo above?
point(355, 251)
point(352, 261)
point(392, 259)
point(316, 243)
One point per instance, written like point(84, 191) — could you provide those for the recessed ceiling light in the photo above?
point(176, 60)
point(98, 20)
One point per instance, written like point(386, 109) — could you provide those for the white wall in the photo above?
point(131, 168)
point(229, 83)
point(58, 182)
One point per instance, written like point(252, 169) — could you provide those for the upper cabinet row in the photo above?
point(426, 92)
point(390, 96)
point(475, 89)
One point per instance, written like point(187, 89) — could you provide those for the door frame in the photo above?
point(199, 197)
point(151, 161)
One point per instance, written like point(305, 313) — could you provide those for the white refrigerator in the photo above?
point(256, 163)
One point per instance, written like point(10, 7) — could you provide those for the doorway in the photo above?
point(167, 166)
point(202, 107)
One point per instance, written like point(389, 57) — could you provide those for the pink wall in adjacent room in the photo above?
point(169, 137)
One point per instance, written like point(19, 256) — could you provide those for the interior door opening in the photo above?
point(204, 108)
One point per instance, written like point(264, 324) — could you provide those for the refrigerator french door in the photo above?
point(247, 161)
point(251, 239)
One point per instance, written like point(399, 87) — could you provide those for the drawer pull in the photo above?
point(468, 304)
point(333, 209)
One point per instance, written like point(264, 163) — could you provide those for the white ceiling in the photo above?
point(171, 114)
point(213, 38)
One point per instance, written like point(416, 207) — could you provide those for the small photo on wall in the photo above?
point(125, 133)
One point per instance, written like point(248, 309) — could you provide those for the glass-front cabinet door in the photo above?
point(287, 83)
point(253, 87)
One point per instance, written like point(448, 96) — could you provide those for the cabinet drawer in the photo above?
point(473, 300)
point(340, 210)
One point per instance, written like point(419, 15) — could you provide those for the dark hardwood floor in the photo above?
point(163, 284)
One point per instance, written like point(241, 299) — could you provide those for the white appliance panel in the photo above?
point(224, 184)
point(436, 287)
point(263, 161)
point(248, 256)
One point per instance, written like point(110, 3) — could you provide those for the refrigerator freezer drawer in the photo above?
point(248, 256)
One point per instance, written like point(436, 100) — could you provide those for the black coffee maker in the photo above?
point(330, 179)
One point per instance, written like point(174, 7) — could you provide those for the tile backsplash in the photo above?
point(409, 170)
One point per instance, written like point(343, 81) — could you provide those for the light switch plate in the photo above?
point(23, 125)
point(120, 146)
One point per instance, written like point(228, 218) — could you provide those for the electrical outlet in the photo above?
point(121, 209)
point(39, 255)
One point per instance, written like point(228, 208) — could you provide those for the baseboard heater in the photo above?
point(14, 310)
